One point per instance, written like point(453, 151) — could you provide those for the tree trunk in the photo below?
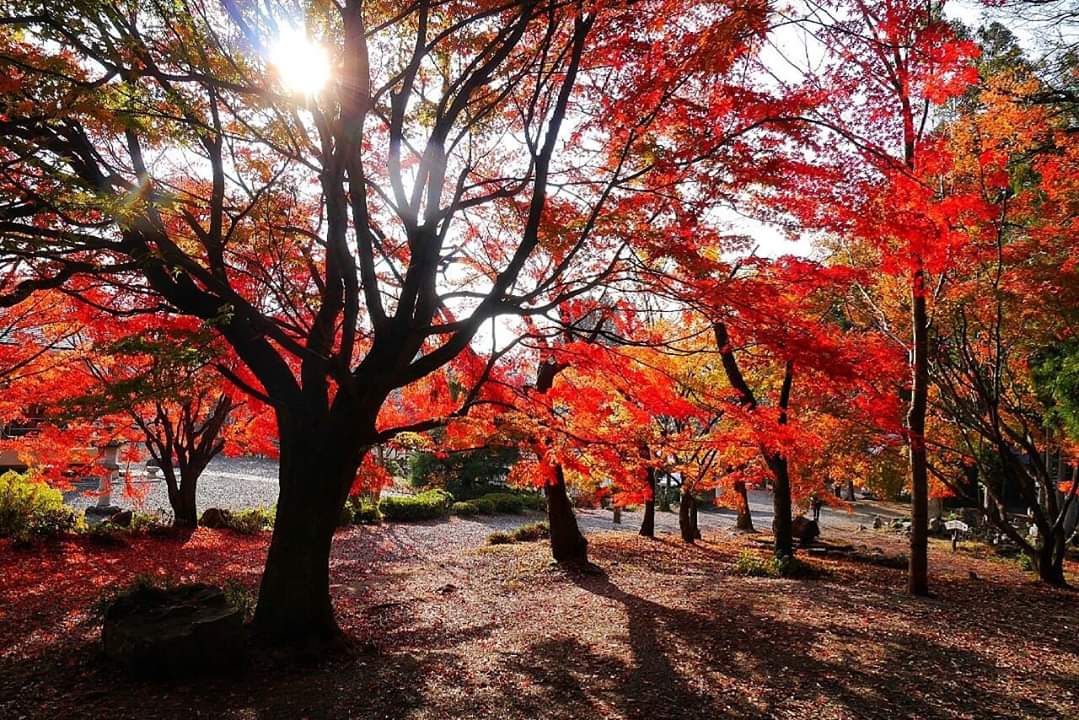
point(687, 518)
point(745, 518)
point(1050, 561)
point(318, 464)
point(567, 542)
point(648, 525)
point(918, 580)
point(781, 508)
point(184, 512)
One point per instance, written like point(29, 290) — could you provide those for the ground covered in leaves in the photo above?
point(450, 628)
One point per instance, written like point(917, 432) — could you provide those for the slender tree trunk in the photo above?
point(745, 518)
point(781, 508)
point(318, 464)
point(918, 580)
point(686, 518)
point(648, 525)
point(567, 542)
point(1050, 560)
point(781, 486)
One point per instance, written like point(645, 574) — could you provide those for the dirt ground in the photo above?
point(450, 628)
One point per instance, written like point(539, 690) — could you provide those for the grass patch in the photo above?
point(500, 537)
point(532, 531)
point(752, 564)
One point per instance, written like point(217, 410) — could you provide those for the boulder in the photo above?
point(214, 518)
point(175, 632)
point(877, 522)
point(805, 530)
point(102, 511)
point(122, 518)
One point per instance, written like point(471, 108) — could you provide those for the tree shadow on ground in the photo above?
point(795, 677)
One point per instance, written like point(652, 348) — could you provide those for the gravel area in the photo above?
point(245, 482)
point(232, 483)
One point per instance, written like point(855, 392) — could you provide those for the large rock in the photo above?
point(805, 530)
point(169, 633)
point(214, 518)
point(122, 518)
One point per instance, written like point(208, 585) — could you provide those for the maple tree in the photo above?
point(348, 243)
point(886, 67)
point(163, 377)
point(1009, 312)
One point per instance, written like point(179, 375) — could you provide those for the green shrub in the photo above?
point(445, 495)
point(1024, 562)
point(147, 522)
point(752, 564)
point(239, 596)
point(364, 511)
point(534, 501)
point(483, 506)
point(506, 502)
point(29, 508)
point(532, 531)
point(499, 538)
point(464, 509)
point(251, 521)
point(347, 516)
point(425, 506)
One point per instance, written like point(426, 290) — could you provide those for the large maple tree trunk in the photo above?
point(317, 467)
point(567, 542)
point(184, 512)
point(745, 518)
point(648, 525)
point(918, 579)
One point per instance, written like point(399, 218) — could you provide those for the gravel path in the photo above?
point(245, 482)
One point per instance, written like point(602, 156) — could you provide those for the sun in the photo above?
point(302, 64)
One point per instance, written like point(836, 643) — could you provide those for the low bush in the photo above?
point(364, 511)
point(251, 521)
point(483, 506)
point(239, 596)
point(505, 502)
point(31, 509)
point(532, 531)
point(425, 506)
point(499, 538)
point(148, 523)
point(464, 509)
point(534, 501)
point(752, 564)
